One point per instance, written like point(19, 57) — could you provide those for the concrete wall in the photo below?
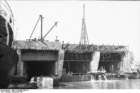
point(46, 56)
point(95, 61)
point(20, 67)
point(59, 63)
point(125, 63)
point(39, 56)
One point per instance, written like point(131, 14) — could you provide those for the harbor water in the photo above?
point(101, 84)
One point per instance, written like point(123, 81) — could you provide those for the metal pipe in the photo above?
point(50, 29)
point(41, 27)
point(34, 28)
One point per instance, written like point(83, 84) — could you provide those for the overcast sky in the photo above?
point(107, 22)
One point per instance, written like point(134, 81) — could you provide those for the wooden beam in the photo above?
point(77, 60)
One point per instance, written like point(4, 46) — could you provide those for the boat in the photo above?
point(8, 55)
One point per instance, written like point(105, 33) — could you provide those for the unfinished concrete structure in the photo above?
point(39, 58)
point(84, 58)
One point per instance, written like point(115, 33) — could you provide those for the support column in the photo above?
point(125, 63)
point(95, 61)
point(56, 68)
point(60, 62)
point(20, 69)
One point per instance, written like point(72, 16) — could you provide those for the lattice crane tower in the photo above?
point(84, 36)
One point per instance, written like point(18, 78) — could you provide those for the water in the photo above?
point(102, 84)
point(104, 77)
point(100, 77)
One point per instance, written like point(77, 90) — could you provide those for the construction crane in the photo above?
point(50, 30)
point(84, 36)
point(42, 38)
point(36, 25)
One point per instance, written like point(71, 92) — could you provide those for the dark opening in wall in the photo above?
point(110, 62)
point(39, 68)
point(76, 66)
point(109, 66)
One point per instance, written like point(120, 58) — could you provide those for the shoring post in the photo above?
point(69, 66)
point(92, 46)
point(80, 45)
point(67, 47)
point(62, 44)
point(41, 27)
point(128, 47)
point(98, 48)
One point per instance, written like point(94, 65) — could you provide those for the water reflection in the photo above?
point(102, 84)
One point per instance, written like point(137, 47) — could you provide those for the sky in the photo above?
point(107, 22)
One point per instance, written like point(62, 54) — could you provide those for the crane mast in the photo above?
point(84, 36)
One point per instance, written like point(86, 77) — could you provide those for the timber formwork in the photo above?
point(110, 57)
point(72, 58)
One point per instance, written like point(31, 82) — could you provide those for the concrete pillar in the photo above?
point(56, 68)
point(60, 62)
point(95, 61)
point(125, 63)
point(20, 69)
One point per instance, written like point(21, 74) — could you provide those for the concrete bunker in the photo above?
point(111, 61)
point(37, 63)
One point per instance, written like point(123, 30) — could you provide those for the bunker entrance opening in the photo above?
point(109, 66)
point(39, 68)
point(110, 62)
point(76, 67)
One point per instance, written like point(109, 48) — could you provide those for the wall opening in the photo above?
point(39, 68)
point(109, 66)
point(110, 62)
point(76, 67)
